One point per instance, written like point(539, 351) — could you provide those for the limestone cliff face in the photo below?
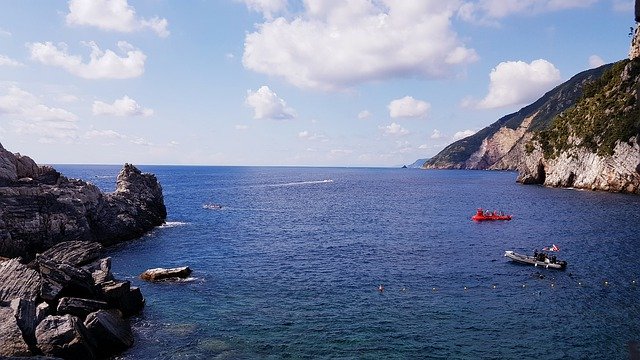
point(588, 138)
point(39, 207)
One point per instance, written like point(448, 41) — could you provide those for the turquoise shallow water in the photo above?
point(289, 267)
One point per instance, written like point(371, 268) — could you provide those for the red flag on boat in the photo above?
point(551, 248)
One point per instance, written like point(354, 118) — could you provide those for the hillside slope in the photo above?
point(583, 134)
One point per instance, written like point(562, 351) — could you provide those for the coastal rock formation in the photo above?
point(583, 134)
point(39, 207)
point(162, 273)
point(62, 310)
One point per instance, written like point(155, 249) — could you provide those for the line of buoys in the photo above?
point(553, 284)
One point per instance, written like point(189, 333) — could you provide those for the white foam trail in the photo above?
point(303, 183)
point(170, 224)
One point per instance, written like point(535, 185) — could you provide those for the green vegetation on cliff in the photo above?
point(544, 110)
point(607, 112)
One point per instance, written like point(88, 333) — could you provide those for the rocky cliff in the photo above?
point(582, 134)
point(39, 207)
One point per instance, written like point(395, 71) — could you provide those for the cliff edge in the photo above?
point(39, 207)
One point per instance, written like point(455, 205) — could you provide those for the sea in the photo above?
point(288, 263)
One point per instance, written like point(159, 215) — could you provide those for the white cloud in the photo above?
point(306, 135)
point(241, 127)
point(67, 98)
point(103, 134)
point(139, 141)
point(31, 117)
point(267, 105)
point(394, 129)
point(5, 33)
point(121, 107)
point(423, 147)
point(462, 134)
point(436, 134)
point(7, 61)
point(113, 15)
point(266, 7)
point(595, 61)
point(408, 107)
point(516, 82)
point(102, 64)
point(364, 114)
point(338, 44)
point(625, 6)
point(487, 11)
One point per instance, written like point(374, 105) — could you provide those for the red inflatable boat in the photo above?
point(488, 215)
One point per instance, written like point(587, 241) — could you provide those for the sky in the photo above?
point(373, 83)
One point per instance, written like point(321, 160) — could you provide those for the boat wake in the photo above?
point(171, 224)
point(312, 182)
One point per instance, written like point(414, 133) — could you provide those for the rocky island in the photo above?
point(58, 296)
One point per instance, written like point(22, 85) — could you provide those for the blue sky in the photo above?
point(276, 82)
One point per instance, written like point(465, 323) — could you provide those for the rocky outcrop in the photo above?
point(163, 274)
point(62, 309)
point(39, 207)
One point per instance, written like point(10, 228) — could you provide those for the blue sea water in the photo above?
point(289, 267)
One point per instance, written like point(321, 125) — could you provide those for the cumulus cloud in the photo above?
point(333, 45)
point(595, 61)
point(267, 7)
point(364, 114)
point(102, 64)
point(408, 107)
point(516, 82)
point(488, 11)
point(267, 105)
point(7, 61)
point(462, 134)
point(394, 129)
point(32, 117)
point(113, 15)
point(121, 107)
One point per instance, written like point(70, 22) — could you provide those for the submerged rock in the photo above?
point(162, 273)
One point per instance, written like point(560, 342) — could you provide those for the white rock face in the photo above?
point(634, 52)
point(580, 168)
point(494, 148)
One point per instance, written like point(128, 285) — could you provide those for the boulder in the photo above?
point(64, 336)
point(79, 307)
point(42, 311)
point(121, 295)
point(162, 273)
point(18, 281)
point(76, 253)
point(24, 312)
point(62, 279)
point(100, 270)
point(12, 342)
point(111, 332)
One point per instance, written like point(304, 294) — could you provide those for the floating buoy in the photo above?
point(494, 286)
point(524, 285)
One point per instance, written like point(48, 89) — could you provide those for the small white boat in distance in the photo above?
point(542, 260)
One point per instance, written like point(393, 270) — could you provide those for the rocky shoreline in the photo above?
point(39, 207)
point(66, 303)
point(58, 296)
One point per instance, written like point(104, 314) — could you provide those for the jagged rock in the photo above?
point(100, 270)
point(11, 341)
point(40, 208)
point(162, 273)
point(76, 253)
point(122, 296)
point(42, 311)
point(64, 336)
point(18, 281)
point(25, 314)
point(79, 307)
point(62, 279)
point(111, 332)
